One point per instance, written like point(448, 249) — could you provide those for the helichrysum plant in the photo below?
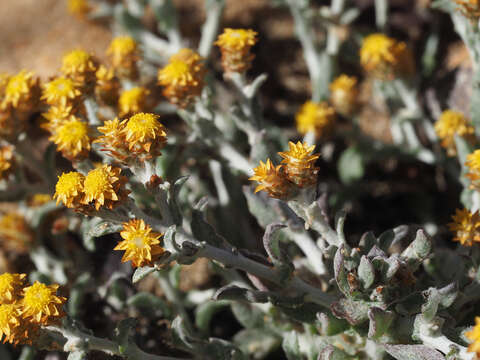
point(158, 203)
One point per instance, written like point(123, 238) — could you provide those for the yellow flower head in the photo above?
point(271, 179)
point(344, 94)
point(6, 161)
point(140, 243)
point(9, 322)
point(465, 227)
point(39, 199)
point(69, 189)
point(21, 90)
point(61, 91)
point(469, 8)
point(10, 287)
point(113, 138)
point(78, 8)
point(56, 115)
point(132, 101)
point(385, 57)
point(142, 131)
point(315, 117)
point(123, 53)
point(474, 336)
point(104, 186)
point(15, 233)
point(72, 138)
point(452, 123)
point(299, 164)
point(183, 77)
point(41, 305)
point(80, 66)
point(235, 45)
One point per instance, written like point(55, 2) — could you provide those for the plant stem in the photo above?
point(214, 9)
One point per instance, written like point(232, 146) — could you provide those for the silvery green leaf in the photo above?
point(28, 353)
point(181, 335)
point(443, 297)
point(351, 165)
point(260, 207)
point(150, 304)
point(103, 228)
point(249, 315)
point(172, 199)
point(204, 313)
point(290, 346)
point(340, 218)
point(331, 325)
point(380, 321)
point(86, 227)
point(141, 272)
point(385, 239)
point(257, 343)
point(366, 272)
point(77, 355)
point(418, 250)
point(165, 13)
point(367, 241)
point(233, 292)
point(203, 231)
point(413, 352)
point(340, 274)
point(271, 243)
point(355, 312)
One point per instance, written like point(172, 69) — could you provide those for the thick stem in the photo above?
point(214, 9)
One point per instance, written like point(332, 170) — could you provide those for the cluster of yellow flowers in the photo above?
point(138, 138)
point(453, 123)
point(183, 77)
point(317, 118)
point(297, 170)
point(386, 58)
point(140, 243)
point(235, 46)
point(101, 187)
point(24, 309)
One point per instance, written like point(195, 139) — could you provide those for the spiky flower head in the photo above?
point(104, 187)
point(6, 161)
point(15, 233)
point(10, 287)
point(299, 164)
point(344, 94)
point(55, 116)
point(315, 117)
point(21, 91)
point(140, 243)
point(41, 305)
point(183, 77)
point(465, 227)
point(61, 91)
point(142, 131)
point(473, 165)
point(474, 336)
point(123, 53)
point(132, 101)
point(78, 8)
point(272, 179)
point(385, 57)
point(72, 138)
point(113, 139)
point(80, 66)
point(452, 123)
point(235, 45)
point(10, 321)
point(469, 8)
point(69, 189)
